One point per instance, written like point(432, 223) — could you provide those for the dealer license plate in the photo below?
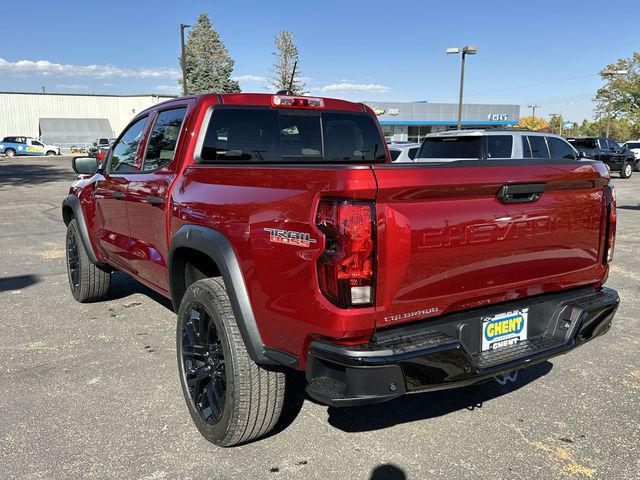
point(504, 329)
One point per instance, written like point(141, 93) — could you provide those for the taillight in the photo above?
point(610, 231)
point(346, 267)
point(296, 102)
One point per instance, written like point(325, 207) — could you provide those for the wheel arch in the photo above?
point(215, 257)
point(71, 209)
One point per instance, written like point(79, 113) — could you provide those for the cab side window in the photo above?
point(123, 156)
point(163, 139)
point(560, 149)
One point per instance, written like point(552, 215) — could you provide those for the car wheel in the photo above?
point(88, 282)
point(626, 170)
point(9, 152)
point(231, 399)
point(50, 153)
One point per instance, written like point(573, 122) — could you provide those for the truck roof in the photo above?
point(265, 100)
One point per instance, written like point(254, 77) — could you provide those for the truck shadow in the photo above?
point(411, 408)
point(123, 286)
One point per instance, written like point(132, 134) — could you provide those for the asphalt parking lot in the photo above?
point(92, 390)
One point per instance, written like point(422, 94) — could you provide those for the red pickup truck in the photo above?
point(286, 239)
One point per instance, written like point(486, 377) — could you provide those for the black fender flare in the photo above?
point(73, 202)
point(217, 247)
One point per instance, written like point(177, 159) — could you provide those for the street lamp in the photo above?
point(468, 50)
point(609, 74)
point(182, 59)
point(533, 115)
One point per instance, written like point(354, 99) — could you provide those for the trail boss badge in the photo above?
point(287, 237)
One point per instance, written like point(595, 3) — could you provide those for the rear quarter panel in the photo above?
point(240, 201)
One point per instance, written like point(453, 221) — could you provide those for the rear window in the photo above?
point(499, 146)
point(451, 147)
point(274, 135)
point(394, 154)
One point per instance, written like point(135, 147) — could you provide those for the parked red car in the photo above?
point(287, 240)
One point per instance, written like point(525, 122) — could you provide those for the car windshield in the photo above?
point(451, 147)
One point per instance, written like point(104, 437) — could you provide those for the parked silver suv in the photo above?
point(494, 144)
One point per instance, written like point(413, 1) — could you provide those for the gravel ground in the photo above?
point(92, 390)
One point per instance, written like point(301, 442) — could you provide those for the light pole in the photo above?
point(533, 115)
point(182, 59)
point(468, 50)
point(609, 74)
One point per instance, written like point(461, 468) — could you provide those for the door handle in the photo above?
point(530, 192)
point(155, 200)
point(117, 195)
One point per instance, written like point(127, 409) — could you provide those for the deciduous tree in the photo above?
point(622, 90)
point(531, 123)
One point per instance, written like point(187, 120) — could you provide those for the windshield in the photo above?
point(451, 147)
point(291, 135)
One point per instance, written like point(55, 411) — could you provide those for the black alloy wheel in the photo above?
point(73, 261)
point(203, 364)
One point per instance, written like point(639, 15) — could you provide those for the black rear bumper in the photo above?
point(446, 352)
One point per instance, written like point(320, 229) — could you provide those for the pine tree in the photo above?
point(207, 62)
point(287, 56)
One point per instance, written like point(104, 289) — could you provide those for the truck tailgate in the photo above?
point(446, 242)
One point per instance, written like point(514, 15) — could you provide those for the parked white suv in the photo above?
point(634, 147)
point(402, 152)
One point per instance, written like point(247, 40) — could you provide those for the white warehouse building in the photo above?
point(68, 119)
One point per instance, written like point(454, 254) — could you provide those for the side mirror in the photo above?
point(85, 165)
point(582, 155)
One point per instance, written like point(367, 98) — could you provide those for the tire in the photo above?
point(231, 399)
point(627, 170)
point(9, 152)
point(50, 153)
point(88, 282)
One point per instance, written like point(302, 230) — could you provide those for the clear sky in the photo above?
point(542, 52)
